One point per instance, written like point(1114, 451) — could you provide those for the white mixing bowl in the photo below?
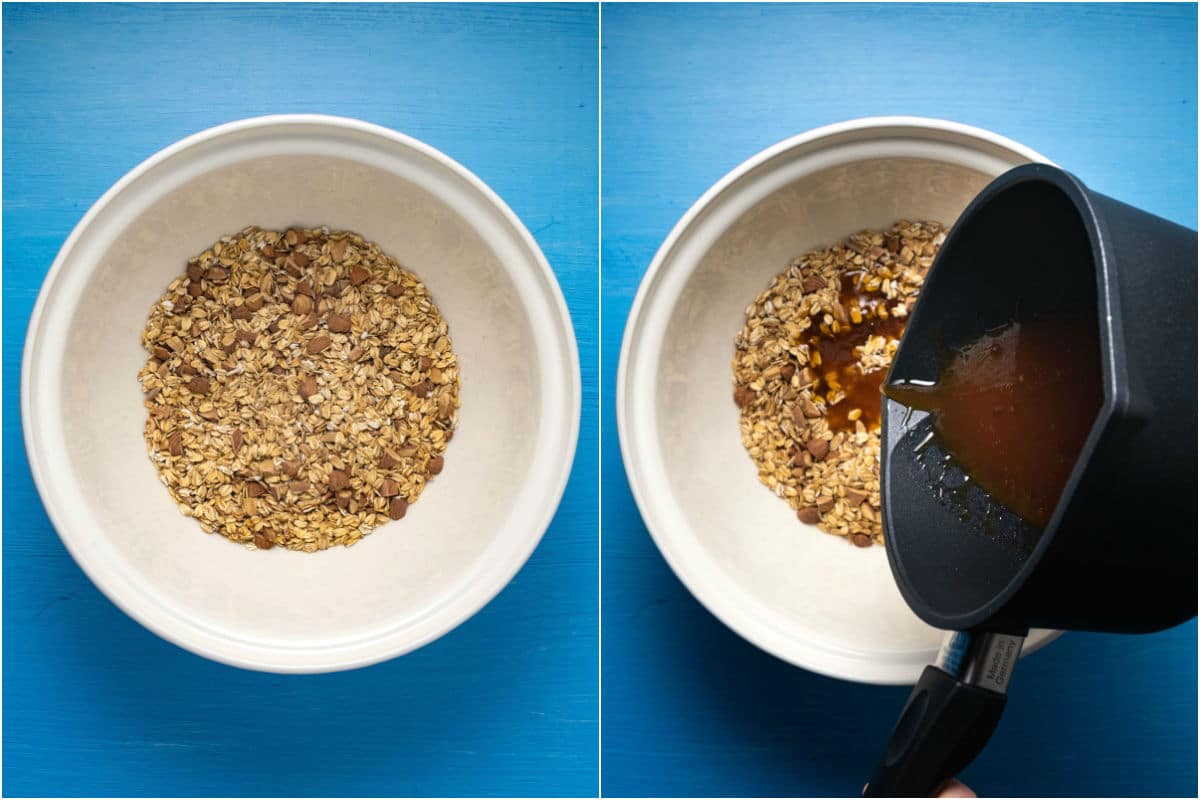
point(800, 594)
point(410, 581)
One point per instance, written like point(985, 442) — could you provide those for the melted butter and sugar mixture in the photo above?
point(1015, 407)
point(838, 357)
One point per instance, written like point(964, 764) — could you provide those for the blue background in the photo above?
point(96, 705)
point(690, 92)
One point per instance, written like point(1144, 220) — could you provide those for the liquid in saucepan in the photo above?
point(1015, 407)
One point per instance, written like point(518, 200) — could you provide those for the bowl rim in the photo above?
point(451, 612)
point(793, 651)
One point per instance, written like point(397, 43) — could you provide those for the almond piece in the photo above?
point(318, 344)
point(818, 447)
point(855, 497)
point(397, 508)
point(808, 515)
point(338, 480)
point(337, 323)
point(798, 414)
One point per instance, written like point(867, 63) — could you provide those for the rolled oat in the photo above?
point(289, 388)
point(807, 368)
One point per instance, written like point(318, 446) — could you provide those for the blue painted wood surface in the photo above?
point(96, 705)
point(689, 92)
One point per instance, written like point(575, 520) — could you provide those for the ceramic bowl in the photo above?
point(411, 580)
point(803, 595)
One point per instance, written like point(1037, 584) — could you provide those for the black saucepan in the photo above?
point(1119, 553)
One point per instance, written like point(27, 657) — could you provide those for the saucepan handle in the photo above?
point(949, 717)
point(944, 725)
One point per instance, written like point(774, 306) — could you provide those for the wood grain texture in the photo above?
point(691, 91)
point(96, 705)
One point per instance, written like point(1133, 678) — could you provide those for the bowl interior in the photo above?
point(808, 597)
point(409, 580)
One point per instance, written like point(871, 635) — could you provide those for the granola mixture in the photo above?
point(301, 388)
point(808, 366)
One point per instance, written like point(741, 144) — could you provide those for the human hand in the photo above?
point(955, 788)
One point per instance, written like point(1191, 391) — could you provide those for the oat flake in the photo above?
point(301, 388)
point(787, 399)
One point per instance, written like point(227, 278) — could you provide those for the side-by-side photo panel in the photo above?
point(899, 318)
point(300, 405)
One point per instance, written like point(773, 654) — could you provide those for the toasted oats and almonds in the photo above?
point(812, 426)
point(301, 388)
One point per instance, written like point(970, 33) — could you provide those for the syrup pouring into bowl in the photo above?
point(1037, 463)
